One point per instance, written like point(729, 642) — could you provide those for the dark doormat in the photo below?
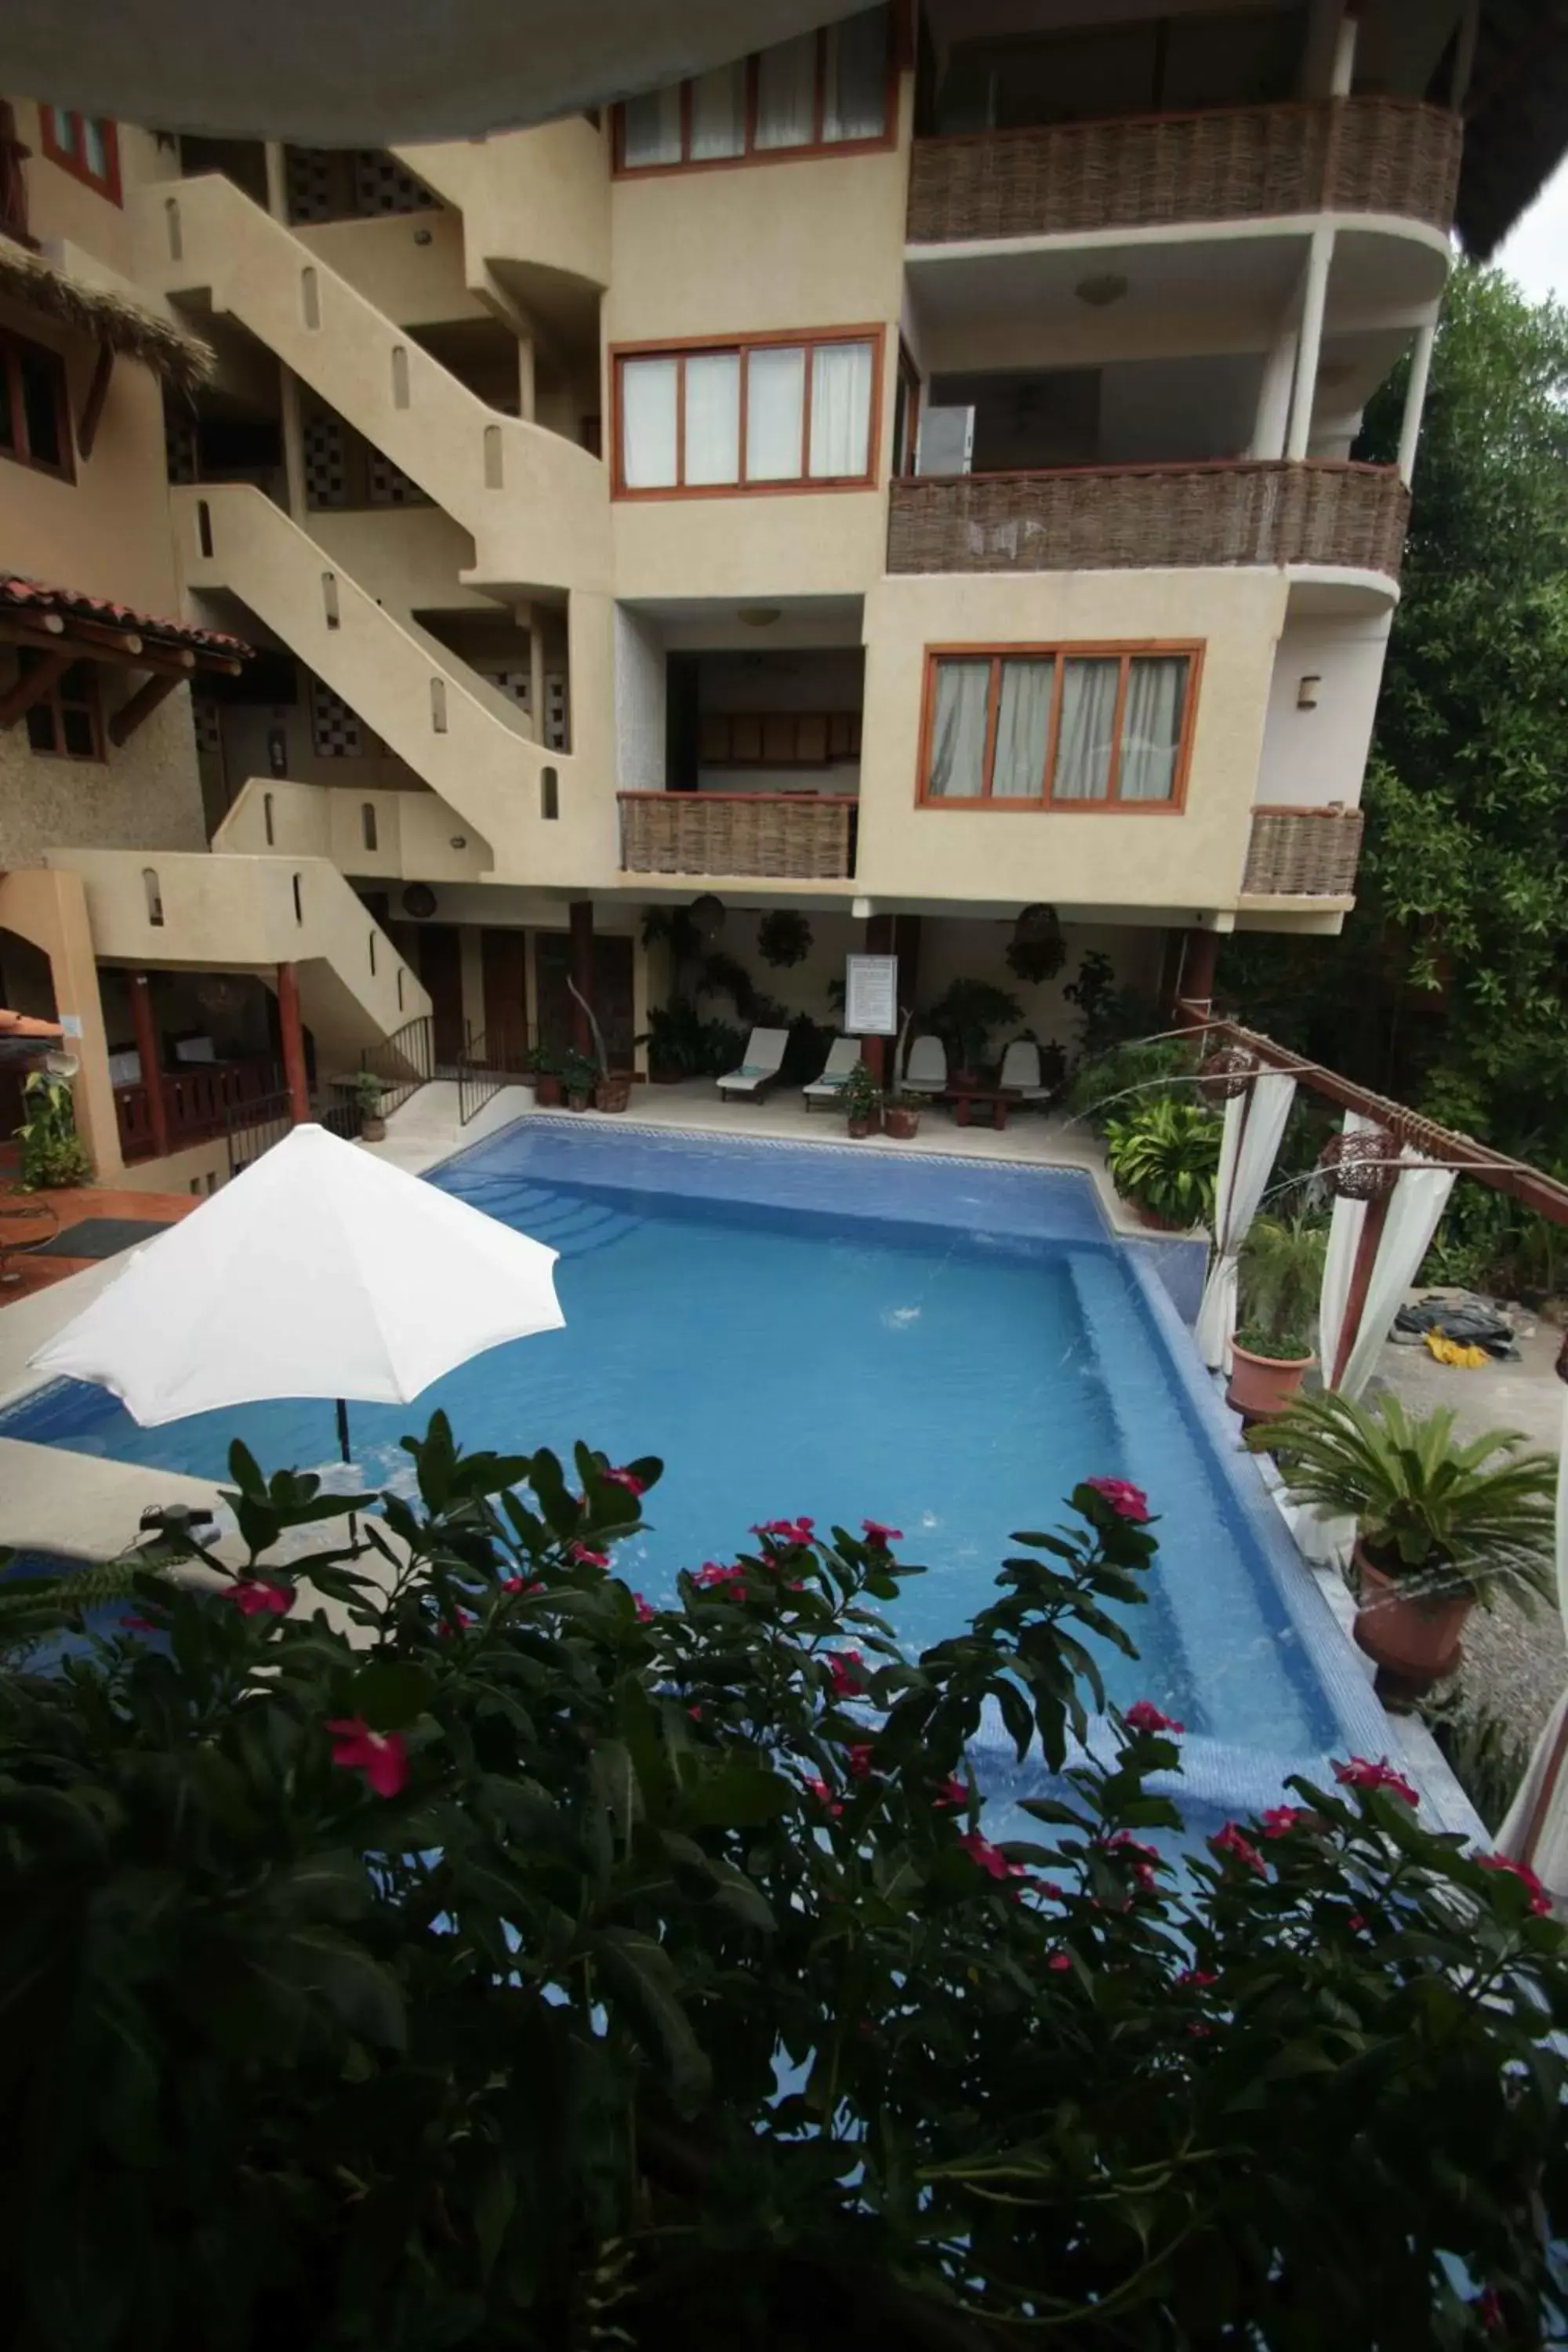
point(101, 1238)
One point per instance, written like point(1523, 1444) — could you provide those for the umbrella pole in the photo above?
point(345, 1455)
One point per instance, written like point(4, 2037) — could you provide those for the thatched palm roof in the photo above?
point(183, 362)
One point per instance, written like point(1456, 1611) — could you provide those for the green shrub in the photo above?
point(53, 1154)
point(551, 1971)
point(1281, 1277)
point(1116, 1082)
point(1165, 1157)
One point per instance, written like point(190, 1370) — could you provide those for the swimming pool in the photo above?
point(945, 1345)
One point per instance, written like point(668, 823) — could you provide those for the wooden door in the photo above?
point(441, 970)
point(612, 963)
point(506, 999)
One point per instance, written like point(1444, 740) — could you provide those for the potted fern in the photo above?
point(544, 1067)
point(862, 1101)
point(1164, 1159)
point(368, 1092)
point(579, 1076)
point(1440, 1520)
point(1280, 1270)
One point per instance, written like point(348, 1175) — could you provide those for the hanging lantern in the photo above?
point(1036, 925)
point(707, 914)
point(1227, 1073)
point(1362, 1167)
point(1037, 950)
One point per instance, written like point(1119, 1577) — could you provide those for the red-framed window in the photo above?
point(1080, 727)
point(86, 145)
point(781, 411)
point(34, 407)
point(67, 720)
point(829, 92)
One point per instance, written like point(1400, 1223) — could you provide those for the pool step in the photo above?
point(567, 1222)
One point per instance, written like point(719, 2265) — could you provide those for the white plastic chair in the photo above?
point(826, 1088)
point(759, 1069)
point(925, 1070)
point(1021, 1072)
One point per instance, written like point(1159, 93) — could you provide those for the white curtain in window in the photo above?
point(1152, 727)
point(647, 424)
point(1083, 741)
point(958, 730)
point(719, 113)
point(786, 93)
point(1023, 726)
point(1254, 1123)
point(95, 150)
point(651, 128)
point(855, 88)
point(840, 411)
point(713, 418)
point(776, 400)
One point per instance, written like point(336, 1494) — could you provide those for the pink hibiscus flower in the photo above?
point(789, 1532)
point(712, 1576)
point(858, 1760)
point(1143, 1716)
point(256, 1596)
point(645, 1609)
point(825, 1796)
point(1230, 1841)
point(583, 1556)
point(1199, 1978)
point(626, 1478)
point(1058, 1962)
point(953, 1793)
point(515, 1584)
point(1129, 1502)
point(847, 1669)
point(1540, 1901)
point(1280, 1819)
point(990, 1859)
point(381, 1756)
point(879, 1537)
point(1360, 1773)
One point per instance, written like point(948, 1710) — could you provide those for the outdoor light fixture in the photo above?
point(422, 237)
point(419, 900)
point(458, 841)
point(1101, 291)
point(1307, 693)
point(707, 914)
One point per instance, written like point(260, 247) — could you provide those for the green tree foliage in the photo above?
point(1449, 987)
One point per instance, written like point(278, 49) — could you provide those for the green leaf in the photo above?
point(390, 1693)
point(363, 1995)
point(636, 1975)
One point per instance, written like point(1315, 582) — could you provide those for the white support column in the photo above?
point(525, 385)
point(1415, 398)
point(293, 430)
point(1274, 394)
point(1310, 350)
point(1343, 69)
point(535, 677)
point(276, 182)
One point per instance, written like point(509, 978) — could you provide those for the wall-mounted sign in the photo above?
point(71, 1023)
point(870, 996)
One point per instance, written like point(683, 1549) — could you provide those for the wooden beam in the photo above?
point(32, 686)
point(288, 1022)
point(92, 406)
point(1368, 1242)
point(126, 653)
point(145, 1031)
point(141, 705)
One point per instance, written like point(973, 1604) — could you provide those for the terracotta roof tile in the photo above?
point(36, 596)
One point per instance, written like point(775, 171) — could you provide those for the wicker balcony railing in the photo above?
point(1242, 162)
point(739, 832)
point(1303, 852)
point(1145, 517)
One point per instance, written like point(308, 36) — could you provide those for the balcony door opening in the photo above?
point(1243, 56)
point(1128, 413)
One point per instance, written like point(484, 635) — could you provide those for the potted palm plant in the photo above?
point(862, 1101)
point(965, 1016)
point(901, 1116)
point(1164, 1158)
point(1281, 1273)
point(579, 1076)
point(1440, 1520)
point(368, 1092)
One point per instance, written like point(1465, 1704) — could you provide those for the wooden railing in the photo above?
point(781, 833)
point(1243, 163)
point(199, 1102)
point(1303, 852)
point(1144, 518)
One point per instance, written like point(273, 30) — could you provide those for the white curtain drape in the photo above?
point(647, 422)
point(1251, 1144)
point(958, 730)
point(713, 418)
point(1152, 727)
point(1023, 729)
point(719, 113)
point(840, 411)
point(1088, 722)
point(1535, 1828)
point(854, 95)
point(786, 93)
point(775, 405)
point(651, 127)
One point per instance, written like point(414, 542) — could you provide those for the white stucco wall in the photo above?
point(1313, 756)
point(639, 703)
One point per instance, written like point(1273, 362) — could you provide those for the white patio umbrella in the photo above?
point(321, 1272)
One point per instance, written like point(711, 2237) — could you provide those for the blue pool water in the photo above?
point(943, 1345)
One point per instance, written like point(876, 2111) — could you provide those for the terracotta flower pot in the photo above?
point(1152, 1217)
point(1413, 1635)
point(860, 1128)
point(901, 1124)
point(372, 1131)
point(546, 1090)
point(612, 1094)
point(1263, 1385)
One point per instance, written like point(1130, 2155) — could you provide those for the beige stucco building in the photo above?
point(904, 477)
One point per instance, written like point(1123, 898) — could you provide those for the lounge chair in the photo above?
point(760, 1068)
point(841, 1060)
point(1020, 1073)
point(925, 1070)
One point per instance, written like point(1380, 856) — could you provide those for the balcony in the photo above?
point(771, 834)
point(1303, 852)
point(1247, 162)
point(1148, 518)
point(199, 1103)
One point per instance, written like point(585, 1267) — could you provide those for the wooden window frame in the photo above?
point(807, 339)
point(76, 164)
point(11, 347)
point(1126, 650)
point(91, 702)
point(812, 150)
point(908, 384)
